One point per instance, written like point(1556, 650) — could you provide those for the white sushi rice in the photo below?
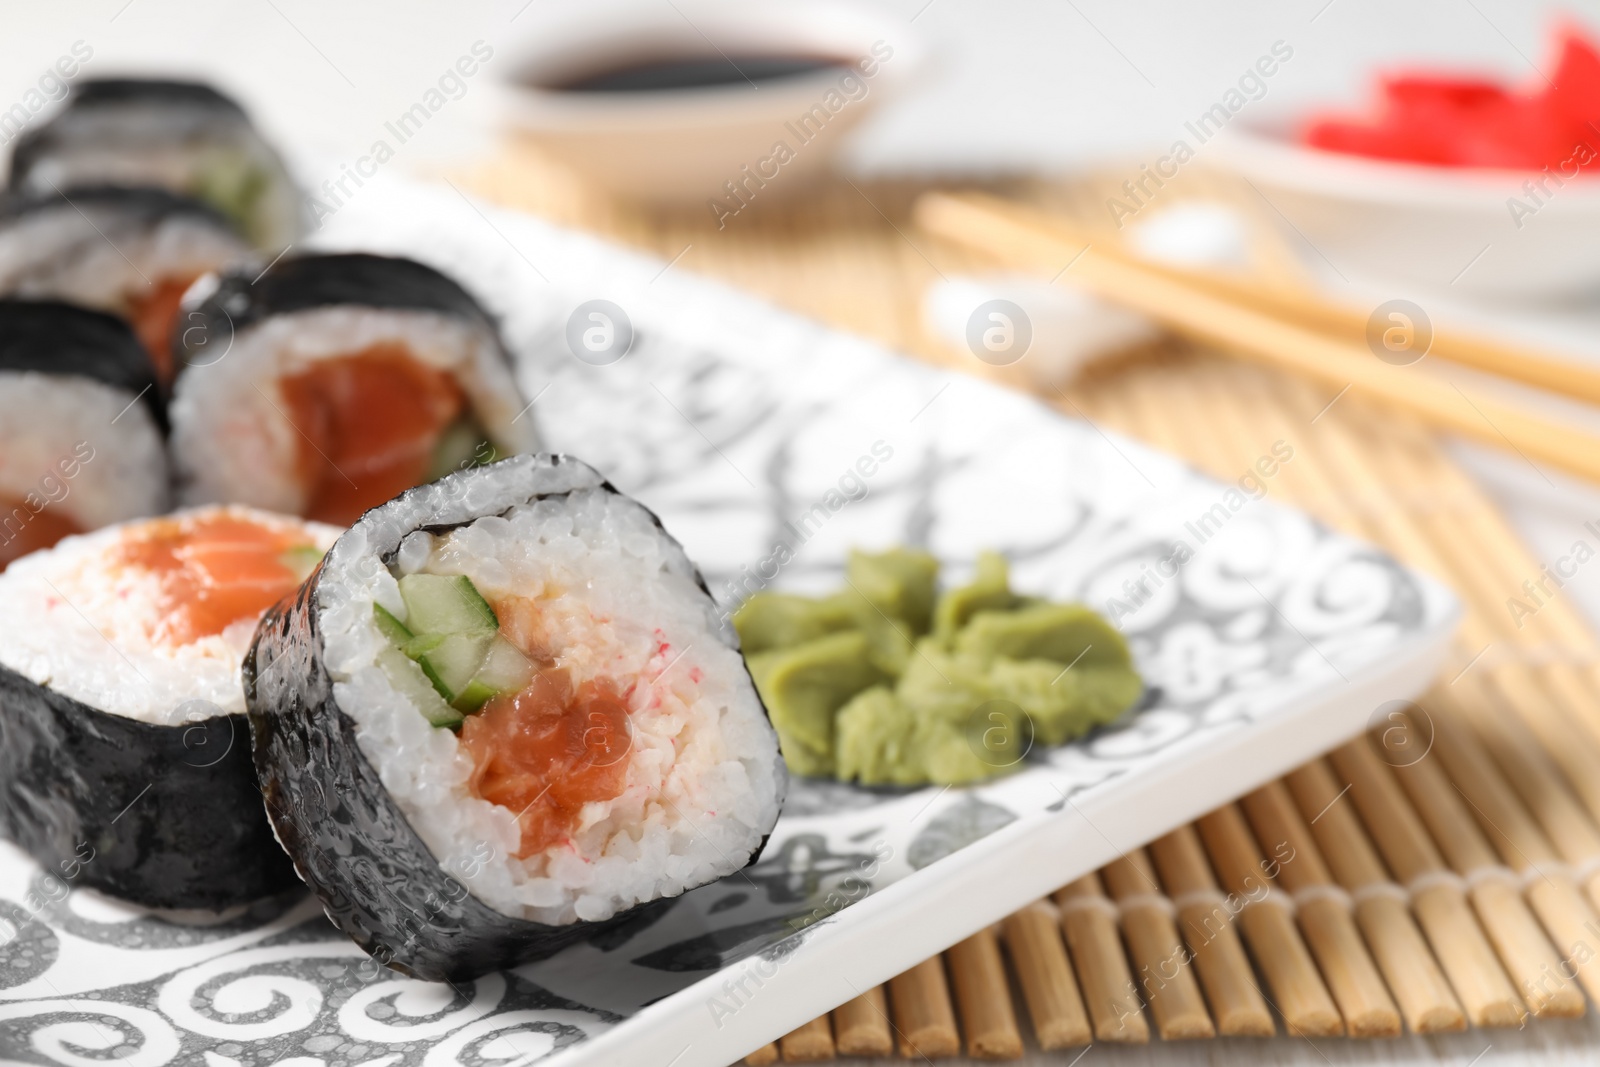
point(233, 438)
point(78, 446)
point(72, 619)
point(704, 777)
point(107, 259)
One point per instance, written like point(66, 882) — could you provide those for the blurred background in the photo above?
point(1001, 89)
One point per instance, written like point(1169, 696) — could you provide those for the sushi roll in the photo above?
point(81, 424)
point(333, 383)
point(182, 136)
point(131, 252)
point(123, 746)
point(503, 714)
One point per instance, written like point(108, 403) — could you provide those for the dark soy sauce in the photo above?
point(698, 72)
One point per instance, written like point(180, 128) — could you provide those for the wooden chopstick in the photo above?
point(984, 998)
point(1039, 958)
point(1024, 236)
point(1089, 920)
point(1294, 303)
point(1160, 958)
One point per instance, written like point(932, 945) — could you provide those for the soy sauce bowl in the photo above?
point(705, 103)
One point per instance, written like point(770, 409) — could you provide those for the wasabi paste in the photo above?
point(890, 682)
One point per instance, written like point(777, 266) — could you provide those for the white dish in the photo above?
point(684, 146)
point(1445, 229)
point(729, 417)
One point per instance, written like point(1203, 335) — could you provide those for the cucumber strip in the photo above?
point(421, 645)
point(505, 669)
point(462, 445)
point(473, 697)
point(445, 604)
point(453, 663)
point(410, 682)
point(389, 626)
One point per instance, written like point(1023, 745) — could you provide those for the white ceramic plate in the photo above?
point(1275, 641)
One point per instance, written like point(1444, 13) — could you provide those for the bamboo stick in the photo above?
point(1236, 1001)
point(1508, 928)
point(983, 996)
point(1468, 958)
point(1039, 958)
point(808, 1043)
point(1549, 888)
point(764, 1056)
point(861, 1025)
point(1267, 919)
point(1324, 911)
point(1517, 936)
point(1089, 921)
point(923, 1017)
point(1159, 956)
point(1555, 703)
point(1382, 907)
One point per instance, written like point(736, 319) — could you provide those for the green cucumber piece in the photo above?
point(409, 681)
point(389, 626)
point(445, 604)
point(453, 663)
point(505, 668)
point(473, 697)
point(421, 645)
point(462, 445)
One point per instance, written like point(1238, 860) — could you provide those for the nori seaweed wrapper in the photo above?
point(241, 299)
point(50, 337)
point(201, 100)
point(350, 841)
point(144, 203)
point(111, 130)
point(164, 816)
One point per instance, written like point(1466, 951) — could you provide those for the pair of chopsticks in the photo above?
point(1282, 328)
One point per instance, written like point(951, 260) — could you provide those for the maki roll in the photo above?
point(123, 745)
point(182, 136)
point(503, 713)
point(132, 252)
point(332, 383)
point(81, 421)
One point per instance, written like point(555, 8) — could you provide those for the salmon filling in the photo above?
point(41, 530)
point(153, 313)
point(369, 424)
point(214, 570)
point(548, 750)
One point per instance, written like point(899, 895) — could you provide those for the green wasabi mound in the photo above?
point(890, 682)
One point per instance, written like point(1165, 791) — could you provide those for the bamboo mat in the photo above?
point(1445, 870)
